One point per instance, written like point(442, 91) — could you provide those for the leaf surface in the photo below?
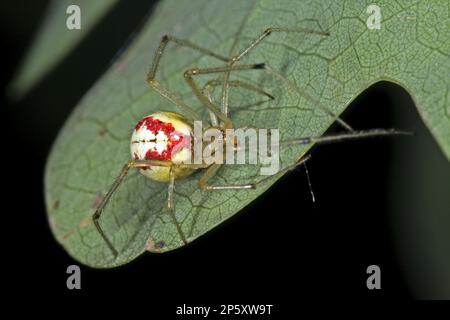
point(411, 49)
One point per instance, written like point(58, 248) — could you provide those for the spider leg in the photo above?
point(212, 170)
point(207, 101)
point(188, 75)
point(254, 43)
point(300, 91)
point(211, 84)
point(123, 173)
point(234, 83)
point(156, 85)
point(354, 135)
point(171, 205)
point(307, 96)
point(184, 43)
point(268, 32)
point(209, 87)
point(341, 137)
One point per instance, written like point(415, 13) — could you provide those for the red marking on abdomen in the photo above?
point(155, 125)
point(139, 125)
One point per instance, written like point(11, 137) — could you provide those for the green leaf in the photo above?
point(54, 41)
point(411, 49)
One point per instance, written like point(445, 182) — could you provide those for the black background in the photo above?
point(281, 248)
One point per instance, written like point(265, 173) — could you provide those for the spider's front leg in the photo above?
point(270, 31)
point(158, 87)
point(266, 33)
point(209, 87)
point(189, 77)
point(253, 44)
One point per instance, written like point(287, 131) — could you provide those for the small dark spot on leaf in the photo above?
point(56, 205)
point(68, 234)
point(153, 246)
point(160, 244)
point(102, 132)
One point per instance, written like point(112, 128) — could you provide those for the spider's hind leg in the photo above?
point(171, 205)
point(354, 135)
point(123, 173)
point(212, 170)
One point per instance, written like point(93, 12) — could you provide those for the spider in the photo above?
point(160, 144)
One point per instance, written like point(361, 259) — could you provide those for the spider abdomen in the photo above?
point(162, 136)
